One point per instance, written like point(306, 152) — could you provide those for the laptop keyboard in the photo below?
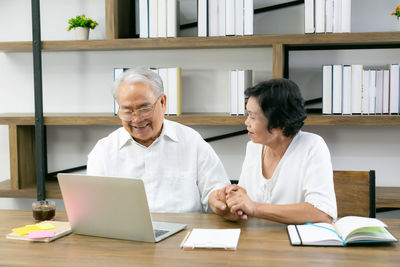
point(157, 233)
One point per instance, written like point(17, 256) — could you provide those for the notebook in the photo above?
point(211, 238)
point(111, 207)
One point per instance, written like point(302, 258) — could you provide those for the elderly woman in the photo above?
point(287, 174)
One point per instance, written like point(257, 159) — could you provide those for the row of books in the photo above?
point(240, 80)
point(158, 18)
point(327, 16)
point(355, 89)
point(225, 17)
point(172, 82)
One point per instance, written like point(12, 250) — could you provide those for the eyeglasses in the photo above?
point(142, 113)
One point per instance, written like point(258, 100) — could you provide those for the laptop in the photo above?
point(111, 207)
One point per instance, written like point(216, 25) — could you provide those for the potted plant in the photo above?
point(396, 12)
point(81, 25)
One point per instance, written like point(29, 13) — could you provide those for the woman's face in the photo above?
point(257, 124)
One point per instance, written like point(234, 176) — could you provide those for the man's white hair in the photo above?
point(139, 75)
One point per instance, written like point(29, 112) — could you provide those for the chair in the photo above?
point(355, 193)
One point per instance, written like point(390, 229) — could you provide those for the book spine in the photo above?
point(356, 88)
point(213, 18)
point(379, 92)
point(117, 73)
point(143, 18)
point(327, 89)
point(221, 17)
point(394, 89)
point(162, 18)
point(309, 26)
point(365, 93)
point(346, 16)
point(337, 16)
point(172, 18)
point(239, 20)
point(202, 14)
point(234, 92)
point(248, 17)
point(372, 91)
point(346, 90)
point(386, 89)
point(153, 18)
point(329, 16)
point(337, 79)
point(319, 16)
point(230, 17)
point(240, 92)
point(178, 91)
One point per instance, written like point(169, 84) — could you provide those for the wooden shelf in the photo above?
point(52, 190)
point(110, 119)
point(388, 197)
point(197, 119)
point(353, 120)
point(208, 42)
point(25, 46)
point(187, 119)
point(17, 119)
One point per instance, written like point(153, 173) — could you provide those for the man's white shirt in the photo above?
point(179, 169)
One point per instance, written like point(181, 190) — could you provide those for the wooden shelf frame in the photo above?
point(22, 135)
point(6, 190)
point(364, 38)
point(196, 119)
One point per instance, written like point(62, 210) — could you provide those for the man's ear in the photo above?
point(163, 102)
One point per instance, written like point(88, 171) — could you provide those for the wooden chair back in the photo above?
point(355, 193)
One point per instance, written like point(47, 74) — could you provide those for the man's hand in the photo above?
point(217, 202)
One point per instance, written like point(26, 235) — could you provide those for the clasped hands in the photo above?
point(232, 203)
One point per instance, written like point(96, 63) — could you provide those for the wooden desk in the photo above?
point(261, 243)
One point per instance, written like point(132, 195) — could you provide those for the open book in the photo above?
point(347, 230)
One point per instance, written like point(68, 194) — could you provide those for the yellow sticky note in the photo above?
point(45, 226)
point(26, 229)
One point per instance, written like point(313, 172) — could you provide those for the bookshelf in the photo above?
point(21, 126)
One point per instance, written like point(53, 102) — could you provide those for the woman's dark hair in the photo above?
point(281, 103)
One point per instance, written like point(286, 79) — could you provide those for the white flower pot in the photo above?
point(81, 33)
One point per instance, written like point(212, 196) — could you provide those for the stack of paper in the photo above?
point(41, 232)
point(212, 238)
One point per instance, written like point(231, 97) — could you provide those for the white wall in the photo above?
point(80, 82)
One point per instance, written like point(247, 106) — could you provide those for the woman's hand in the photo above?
point(217, 202)
point(239, 202)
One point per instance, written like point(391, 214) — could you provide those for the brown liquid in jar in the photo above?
point(44, 213)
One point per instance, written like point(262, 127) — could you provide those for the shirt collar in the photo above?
point(169, 130)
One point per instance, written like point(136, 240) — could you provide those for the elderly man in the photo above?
point(179, 169)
